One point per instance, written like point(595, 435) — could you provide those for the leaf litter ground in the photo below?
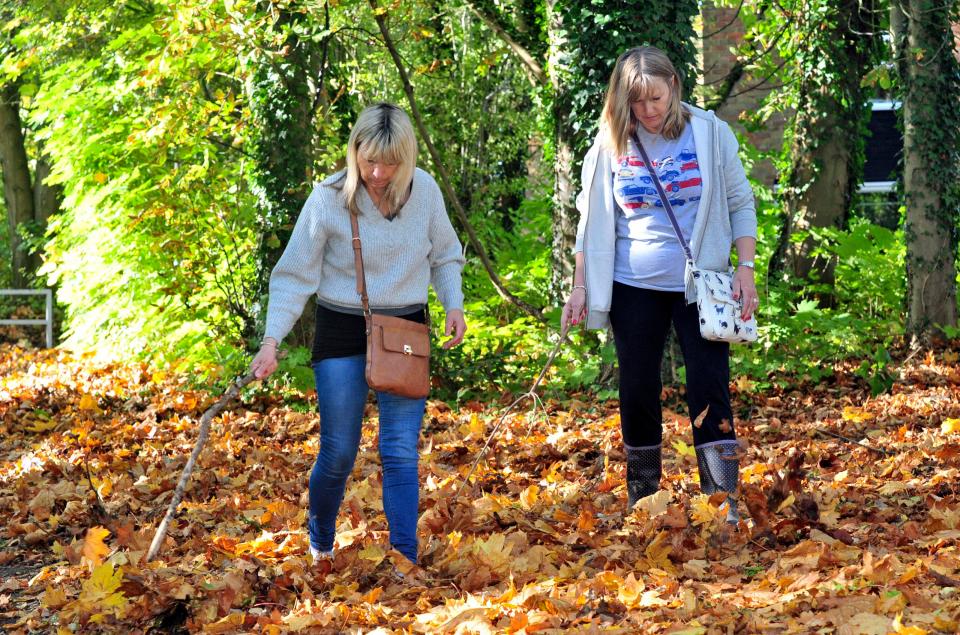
point(850, 515)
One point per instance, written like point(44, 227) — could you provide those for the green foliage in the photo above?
point(166, 125)
point(802, 338)
point(152, 247)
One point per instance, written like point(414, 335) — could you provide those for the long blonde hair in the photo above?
point(630, 82)
point(383, 132)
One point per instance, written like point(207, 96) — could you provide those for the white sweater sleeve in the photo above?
point(297, 274)
point(446, 258)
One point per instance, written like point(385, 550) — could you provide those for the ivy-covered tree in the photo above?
point(929, 86)
point(284, 96)
point(834, 45)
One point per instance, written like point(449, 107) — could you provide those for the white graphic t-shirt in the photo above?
point(648, 252)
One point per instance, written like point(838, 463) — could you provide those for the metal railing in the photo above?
point(47, 321)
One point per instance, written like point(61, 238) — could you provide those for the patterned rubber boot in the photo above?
point(719, 469)
point(643, 473)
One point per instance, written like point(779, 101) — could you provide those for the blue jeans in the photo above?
point(341, 394)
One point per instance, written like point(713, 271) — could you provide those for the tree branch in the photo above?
point(534, 71)
point(442, 171)
point(205, 420)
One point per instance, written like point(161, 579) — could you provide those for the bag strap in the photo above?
point(663, 197)
point(358, 266)
point(362, 278)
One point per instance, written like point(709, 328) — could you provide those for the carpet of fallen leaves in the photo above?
point(851, 517)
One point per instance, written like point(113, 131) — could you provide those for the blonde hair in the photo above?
point(630, 82)
point(383, 132)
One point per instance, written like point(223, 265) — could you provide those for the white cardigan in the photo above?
point(726, 211)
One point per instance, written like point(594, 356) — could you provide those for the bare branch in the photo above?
point(205, 420)
point(534, 70)
point(442, 172)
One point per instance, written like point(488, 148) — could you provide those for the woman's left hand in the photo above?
point(745, 290)
point(456, 327)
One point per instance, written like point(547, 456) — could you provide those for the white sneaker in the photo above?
point(317, 554)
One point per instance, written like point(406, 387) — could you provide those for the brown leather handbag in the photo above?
point(398, 350)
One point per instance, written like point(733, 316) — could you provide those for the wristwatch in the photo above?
point(745, 263)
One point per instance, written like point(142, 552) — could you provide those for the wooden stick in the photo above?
point(530, 393)
point(205, 420)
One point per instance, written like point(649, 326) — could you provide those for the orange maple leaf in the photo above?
point(94, 549)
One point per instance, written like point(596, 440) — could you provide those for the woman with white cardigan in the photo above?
point(630, 266)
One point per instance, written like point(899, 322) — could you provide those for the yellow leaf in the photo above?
point(790, 500)
point(658, 550)
point(744, 384)
point(629, 591)
point(100, 178)
point(494, 552)
point(857, 415)
point(53, 597)
point(950, 425)
point(100, 593)
point(42, 425)
point(900, 629)
point(702, 512)
point(528, 497)
point(87, 402)
point(476, 426)
point(94, 549)
point(373, 553)
point(682, 448)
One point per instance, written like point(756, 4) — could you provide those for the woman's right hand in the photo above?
point(575, 310)
point(265, 362)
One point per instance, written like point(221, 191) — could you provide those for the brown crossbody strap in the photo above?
point(358, 265)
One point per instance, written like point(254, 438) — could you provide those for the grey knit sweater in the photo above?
point(401, 256)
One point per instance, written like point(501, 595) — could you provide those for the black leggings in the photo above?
point(641, 320)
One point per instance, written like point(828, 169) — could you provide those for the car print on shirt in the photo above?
point(631, 191)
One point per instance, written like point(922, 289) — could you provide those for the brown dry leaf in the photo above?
point(539, 542)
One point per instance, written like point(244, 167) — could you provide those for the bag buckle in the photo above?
point(407, 349)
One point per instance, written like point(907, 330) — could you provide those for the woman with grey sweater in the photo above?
point(630, 266)
point(408, 244)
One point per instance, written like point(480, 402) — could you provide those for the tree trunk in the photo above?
point(282, 105)
point(827, 137)
point(46, 203)
point(564, 209)
point(18, 193)
point(930, 90)
point(821, 185)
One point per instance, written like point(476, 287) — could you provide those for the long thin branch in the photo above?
point(534, 70)
point(442, 172)
point(205, 420)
